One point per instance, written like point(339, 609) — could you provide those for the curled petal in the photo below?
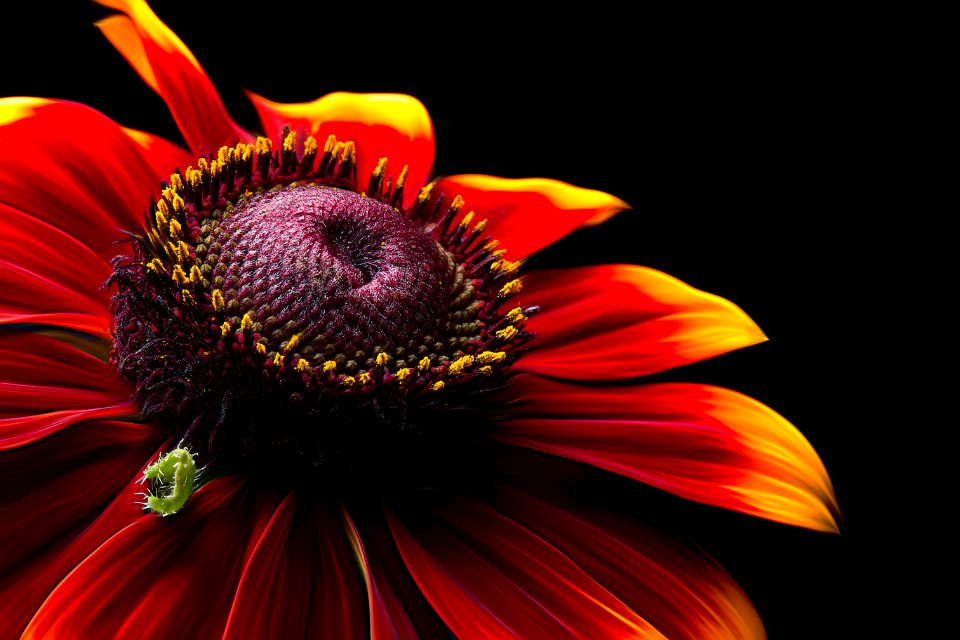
point(623, 321)
point(382, 125)
point(683, 593)
point(150, 570)
point(489, 577)
point(55, 515)
point(300, 580)
point(169, 68)
point(75, 169)
point(704, 443)
point(528, 214)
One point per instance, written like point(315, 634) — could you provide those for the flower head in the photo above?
point(322, 395)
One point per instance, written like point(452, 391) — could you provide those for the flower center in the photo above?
point(274, 310)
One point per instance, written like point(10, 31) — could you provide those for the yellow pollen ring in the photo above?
point(179, 276)
point(294, 341)
point(364, 378)
point(160, 217)
point(348, 381)
point(247, 322)
point(302, 365)
point(512, 287)
point(310, 146)
point(278, 359)
point(402, 177)
point(225, 329)
point(195, 276)
point(156, 266)
point(516, 315)
point(290, 142)
point(404, 373)
point(486, 370)
point(187, 298)
point(488, 357)
point(380, 168)
point(438, 385)
point(508, 333)
point(329, 365)
point(217, 300)
point(382, 359)
point(260, 348)
point(460, 364)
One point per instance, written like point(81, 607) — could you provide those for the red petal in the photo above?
point(39, 373)
point(162, 155)
point(61, 484)
point(684, 594)
point(74, 168)
point(622, 321)
point(168, 67)
point(703, 443)
point(382, 125)
point(300, 581)
point(487, 576)
point(161, 577)
point(528, 214)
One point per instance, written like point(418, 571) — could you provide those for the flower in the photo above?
point(383, 497)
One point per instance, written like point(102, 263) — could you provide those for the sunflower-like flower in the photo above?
point(298, 387)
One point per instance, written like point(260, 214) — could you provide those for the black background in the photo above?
point(740, 142)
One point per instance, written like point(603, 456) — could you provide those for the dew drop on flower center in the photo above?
point(274, 310)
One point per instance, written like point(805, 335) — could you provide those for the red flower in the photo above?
point(369, 383)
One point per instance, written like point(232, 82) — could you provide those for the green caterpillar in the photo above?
point(172, 482)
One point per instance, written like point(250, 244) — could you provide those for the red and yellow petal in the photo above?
point(382, 125)
point(169, 68)
point(301, 580)
point(75, 169)
point(623, 321)
point(489, 577)
point(527, 214)
point(156, 572)
point(683, 593)
point(700, 442)
point(58, 517)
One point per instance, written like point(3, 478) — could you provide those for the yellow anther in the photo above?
point(203, 165)
point(424, 364)
point(516, 315)
point(460, 364)
point(261, 348)
point(457, 203)
point(330, 144)
point(310, 146)
point(364, 377)
point(223, 154)
point(180, 276)
point(380, 168)
point(244, 151)
point(438, 385)
point(175, 229)
point(247, 322)
point(480, 226)
point(183, 250)
point(302, 365)
point(263, 145)
point(225, 329)
point(505, 266)
point(168, 194)
point(176, 181)
point(278, 359)
point(486, 370)
point(349, 152)
point(178, 203)
point(382, 359)
point(187, 298)
point(499, 253)
point(404, 373)
point(508, 333)
point(488, 357)
point(292, 342)
point(511, 288)
point(195, 176)
point(195, 276)
point(217, 300)
point(348, 381)
point(215, 168)
point(329, 365)
point(425, 193)
point(156, 266)
point(160, 216)
point(290, 142)
point(402, 177)
point(467, 219)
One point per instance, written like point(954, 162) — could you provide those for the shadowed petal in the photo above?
point(684, 594)
point(382, 125)
point(153, 578)
point(57, 517)
point(300, 580)
point(624, 321)
point(700, 442)
point(489, 577)
point(75, 169)
point(168, 67)
point(528, 214)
